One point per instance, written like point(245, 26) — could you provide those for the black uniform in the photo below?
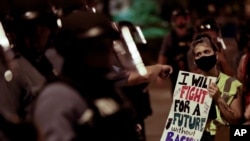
point(84, 104)
point(175, 48)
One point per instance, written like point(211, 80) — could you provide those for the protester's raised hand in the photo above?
point(214, 91)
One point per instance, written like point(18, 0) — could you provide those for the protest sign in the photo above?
point(189, 111)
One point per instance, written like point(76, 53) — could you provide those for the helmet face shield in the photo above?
point(4, 41)
point(126, 49)
point(122, 55)
point(6, 53)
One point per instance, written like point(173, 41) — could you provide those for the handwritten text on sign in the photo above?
point(189, 111)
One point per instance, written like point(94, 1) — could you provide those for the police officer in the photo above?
point(32, 24)
point(22, 78)
point(85, 103)
point(137, 92)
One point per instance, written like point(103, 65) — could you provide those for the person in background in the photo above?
point(243, 73)
point(175, 45)
point(226, 108)
point(247, 115)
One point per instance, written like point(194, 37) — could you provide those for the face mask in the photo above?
point(206, 63)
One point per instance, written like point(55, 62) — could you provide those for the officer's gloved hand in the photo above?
point(165, 72)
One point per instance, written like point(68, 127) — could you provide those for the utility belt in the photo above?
point(118, 126)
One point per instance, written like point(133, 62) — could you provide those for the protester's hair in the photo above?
point(203, 38)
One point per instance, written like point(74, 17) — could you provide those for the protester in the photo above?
point(226, 108)
point(243, 75)
point(211, 27)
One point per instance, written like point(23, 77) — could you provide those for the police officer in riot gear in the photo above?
point(27, 73)
point(138, 93)
point(85, 104)
point(32, 24)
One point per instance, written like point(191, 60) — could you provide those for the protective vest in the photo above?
point(229, 87)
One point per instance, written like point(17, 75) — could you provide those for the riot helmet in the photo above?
point(130, 47)
point(31, 22)
point(85, 40)
point(30, 26)
point(25, 12)
point(64, 7)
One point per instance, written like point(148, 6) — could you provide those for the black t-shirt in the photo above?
point(175, 48)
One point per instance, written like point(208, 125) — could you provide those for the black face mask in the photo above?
point(206, 63)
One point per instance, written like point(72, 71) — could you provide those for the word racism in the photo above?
point(172, 137)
